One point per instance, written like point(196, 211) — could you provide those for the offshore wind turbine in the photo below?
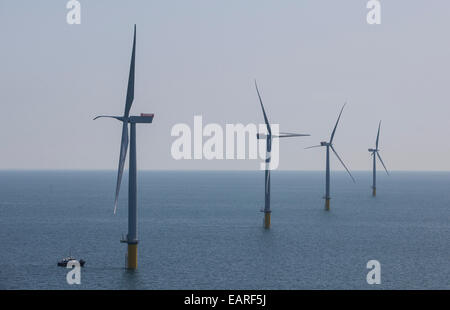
point(269, 136)
point(329, 145)
point(375, 153)
point(126, 119)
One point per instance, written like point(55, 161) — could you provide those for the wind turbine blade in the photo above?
point(310, 147)
point(109, 116)
point(379, 157)
point(264, 112)
point(378, 136)
point(130, 89)
point(288, 135)
point(337, 122)
point(122, 157)
point(335, 153)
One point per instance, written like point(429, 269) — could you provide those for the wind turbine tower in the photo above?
point(269, 136)
point(126, 119)
point(329, 145)
point(375, 153)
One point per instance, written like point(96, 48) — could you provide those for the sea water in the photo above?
point(203, 230)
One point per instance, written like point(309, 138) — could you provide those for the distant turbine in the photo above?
point(131, 238)
point(376, 151)
point(268, 138)
point(327, 171)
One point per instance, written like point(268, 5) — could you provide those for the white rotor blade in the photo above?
point(379, 157)
point(310, 147)
point(122, 157)
point(337, 122)
point(378, 136)
point(266, 120)
point(335, 153)
point(130, 88)
point(289, 134)
point(108, 116)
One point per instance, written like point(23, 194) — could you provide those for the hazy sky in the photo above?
point(200, 57)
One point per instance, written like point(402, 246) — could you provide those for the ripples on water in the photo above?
point(203, 230)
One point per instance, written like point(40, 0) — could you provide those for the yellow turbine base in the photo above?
point(327, 204)
point(267, 220)
point(132, 256)
point(374, 192)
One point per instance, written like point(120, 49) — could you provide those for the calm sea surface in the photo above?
point(203, 230)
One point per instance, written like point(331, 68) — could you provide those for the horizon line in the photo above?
point(198, 170)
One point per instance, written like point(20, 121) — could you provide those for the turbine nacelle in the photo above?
point(323, 143)
point(373, 150)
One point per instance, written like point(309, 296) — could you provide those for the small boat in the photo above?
point(66, 260)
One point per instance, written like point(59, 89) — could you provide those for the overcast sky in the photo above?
point(200, 57)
